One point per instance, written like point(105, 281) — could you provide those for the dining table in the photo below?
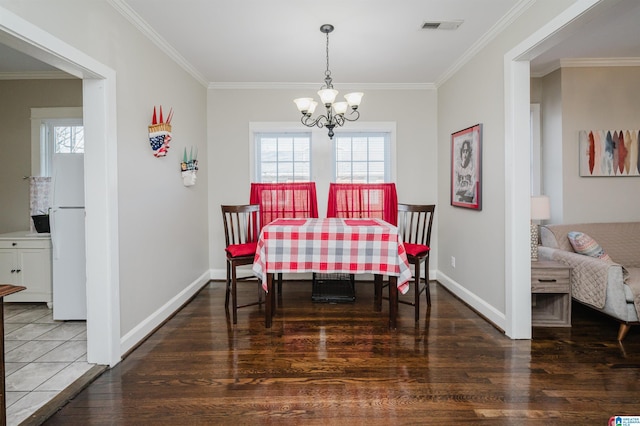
point(333, 245)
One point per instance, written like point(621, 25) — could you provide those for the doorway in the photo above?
point(99, 95)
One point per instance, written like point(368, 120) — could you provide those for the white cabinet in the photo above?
point(26, 261)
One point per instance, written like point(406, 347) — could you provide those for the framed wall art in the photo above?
point(609, 153)
point(466, 168)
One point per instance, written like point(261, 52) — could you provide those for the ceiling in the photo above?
point(374, 41)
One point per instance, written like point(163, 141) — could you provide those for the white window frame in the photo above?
point(258, 139)
point(41, 151)
point(536, 150)
point(321, 146)
point(322, 150)
point(351, 134)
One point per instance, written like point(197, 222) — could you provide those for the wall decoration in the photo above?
point(160, 133)
point(189, 167)
point(466, 168)
point(609, 152)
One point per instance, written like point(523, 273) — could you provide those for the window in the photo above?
point(289, 152)
point(60, 136)
point(536, 159)
point(362, 158)
point(283, 157)
point(54, 131)
point(66, 139)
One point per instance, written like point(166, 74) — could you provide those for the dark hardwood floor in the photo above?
point(326, 364)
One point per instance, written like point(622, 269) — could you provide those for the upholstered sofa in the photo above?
point(609, 286)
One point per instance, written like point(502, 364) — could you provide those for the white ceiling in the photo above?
point(374, 42)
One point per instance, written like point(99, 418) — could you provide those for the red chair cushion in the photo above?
point(416, 250)
point(239, 250)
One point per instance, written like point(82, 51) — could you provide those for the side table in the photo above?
point(550, 294)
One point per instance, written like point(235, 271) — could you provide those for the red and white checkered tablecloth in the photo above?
point(332, 245)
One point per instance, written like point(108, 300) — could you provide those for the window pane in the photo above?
point(360, 149)
point(283, 157)
point(269, 172)
point(367, 154)
point(302, 172)
point(376, 169)
point(343, 151)
point(285, 149)
point(376, 149)
point(269, 149)
point(285, 172)
point(301, 149)
point(360, 173)
point(68, 139)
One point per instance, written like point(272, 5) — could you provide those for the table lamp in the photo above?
point(540, 210)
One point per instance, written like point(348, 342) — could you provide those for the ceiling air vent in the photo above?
point(441, 25)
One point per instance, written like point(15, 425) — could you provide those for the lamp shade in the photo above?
point(340, 107)
point(354, 99)
point(327, 96)
point(303, 104)
point(540, 208)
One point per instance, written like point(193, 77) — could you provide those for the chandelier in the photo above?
point(336, 111)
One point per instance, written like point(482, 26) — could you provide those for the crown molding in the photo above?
point(586, 63)
point(513, 14)
point(125, 10)
point(36, 75)
point(599, 62)
point(316, 86)
point(555, 65)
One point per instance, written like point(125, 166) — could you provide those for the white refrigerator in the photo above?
point(68, 238)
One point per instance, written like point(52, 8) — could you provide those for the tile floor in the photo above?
point(42, 357)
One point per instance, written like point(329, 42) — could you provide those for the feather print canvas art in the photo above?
point(609, 152)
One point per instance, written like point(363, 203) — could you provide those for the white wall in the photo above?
point(231, 111)
point(599, 98)
point(475, 94)
point(163, 245)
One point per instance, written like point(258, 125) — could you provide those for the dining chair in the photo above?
point(414, 227)
point(241, 231)
point(356, 200)
point(284, 200)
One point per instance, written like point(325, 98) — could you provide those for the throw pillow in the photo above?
point(584, 244)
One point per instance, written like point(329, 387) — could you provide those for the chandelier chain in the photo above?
point(327, 73)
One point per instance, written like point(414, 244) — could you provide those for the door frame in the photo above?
point(99, 116)
point(517, 152)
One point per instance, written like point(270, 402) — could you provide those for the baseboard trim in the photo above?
point(479, 305)
point(139, 333)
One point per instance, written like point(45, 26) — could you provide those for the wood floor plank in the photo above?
point(324, 364)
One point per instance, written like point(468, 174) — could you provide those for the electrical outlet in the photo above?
point(453, 261)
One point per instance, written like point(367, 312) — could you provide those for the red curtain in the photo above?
point(376, 200)
point(284, 200)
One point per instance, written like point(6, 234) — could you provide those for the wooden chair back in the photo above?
point(415, 222)
point(241, 223)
